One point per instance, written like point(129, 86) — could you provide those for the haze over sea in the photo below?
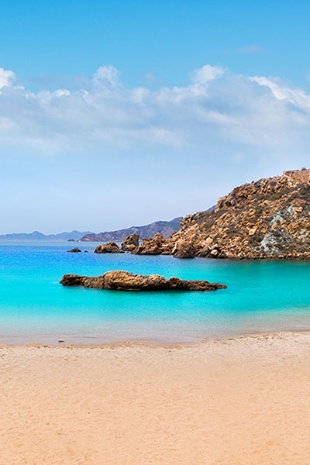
point(261, 296)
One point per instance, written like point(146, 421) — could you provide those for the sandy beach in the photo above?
point(243, 401)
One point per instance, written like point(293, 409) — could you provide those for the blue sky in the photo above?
point(121, 113)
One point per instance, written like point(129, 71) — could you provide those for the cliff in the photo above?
point(269, 218)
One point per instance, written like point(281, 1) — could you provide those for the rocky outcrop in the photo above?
point(125, 281)
point(183, 249)
point(130, 243)
point(110, 247)
point(269, 218)
point(158, 245)
point(165, 228)
point(74, 250)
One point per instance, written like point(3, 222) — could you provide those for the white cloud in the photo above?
point(173, 150)
point(6, 77)
point(207, 73)
point(216, 113)
point(295, 96)
point(107, 76)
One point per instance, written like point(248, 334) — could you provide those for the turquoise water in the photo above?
point(261, 296)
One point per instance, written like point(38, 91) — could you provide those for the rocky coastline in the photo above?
point(266, 219)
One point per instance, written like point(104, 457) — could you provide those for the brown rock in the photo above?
point(110, 247)
point(269, 218)
point(124, 281)
point(184, 249)
point(74, 250)
point(214, 253)
point(148, 247)
point(72, 280)
point(130, 243)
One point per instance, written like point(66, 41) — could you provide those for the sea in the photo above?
point(262, 296)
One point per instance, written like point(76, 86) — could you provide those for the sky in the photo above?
point(115, 114)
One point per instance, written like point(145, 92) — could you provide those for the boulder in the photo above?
point(148, 247)
point(125, 281)
point(130, 243)
point(158, 245)
point(74, 250)
point(184, 249)
point(110, 247)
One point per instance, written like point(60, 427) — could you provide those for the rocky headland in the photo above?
point(269, 218)
point(125, 281)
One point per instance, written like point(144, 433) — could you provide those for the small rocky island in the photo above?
point(125, 281)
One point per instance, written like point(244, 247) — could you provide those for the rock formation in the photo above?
point(130, 243)
point(110, 247)
point(269, 218)
point(158, 245)
point(125, 281)
point(183, 249)
point(74, 250)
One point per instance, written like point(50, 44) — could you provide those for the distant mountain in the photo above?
point(37, 236)
point(165, 228)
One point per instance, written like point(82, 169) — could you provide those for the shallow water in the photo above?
point(261, 296)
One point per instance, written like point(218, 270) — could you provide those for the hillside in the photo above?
point(268, 218)
point(165, 228)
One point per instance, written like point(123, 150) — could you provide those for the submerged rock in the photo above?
point(125, 281)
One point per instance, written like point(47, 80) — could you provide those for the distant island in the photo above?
point(38, 236)
point(165, 228)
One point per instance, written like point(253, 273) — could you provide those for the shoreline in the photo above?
point(150, 344)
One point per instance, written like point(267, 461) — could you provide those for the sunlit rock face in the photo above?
point(269, 218)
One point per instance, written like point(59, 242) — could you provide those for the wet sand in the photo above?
point(242, 401)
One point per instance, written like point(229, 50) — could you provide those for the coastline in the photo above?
point(151, 344)
point(227, 401)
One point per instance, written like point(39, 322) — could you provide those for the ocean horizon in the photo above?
point(262, 296)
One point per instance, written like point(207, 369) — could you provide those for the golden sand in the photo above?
point(242, 401)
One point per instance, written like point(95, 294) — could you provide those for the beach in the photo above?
point(244, 400)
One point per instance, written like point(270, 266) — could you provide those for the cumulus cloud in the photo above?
point(207, 73)
point(295, 96)
point(216, 110)
point(107, 77)
point(6, 77)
